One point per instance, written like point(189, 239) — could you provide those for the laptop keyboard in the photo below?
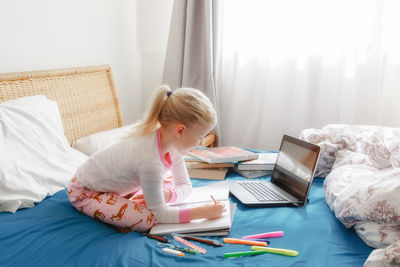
point(261, 191)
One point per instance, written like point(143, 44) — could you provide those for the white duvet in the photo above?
point(36, 159)
point(362, 184)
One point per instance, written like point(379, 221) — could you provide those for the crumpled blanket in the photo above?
point(362, 183)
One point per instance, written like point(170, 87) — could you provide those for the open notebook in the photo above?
point(200, 196)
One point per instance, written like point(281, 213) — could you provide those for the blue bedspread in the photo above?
point(53, 233)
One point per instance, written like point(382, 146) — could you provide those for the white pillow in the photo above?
point(35, 160)
point(95, 142)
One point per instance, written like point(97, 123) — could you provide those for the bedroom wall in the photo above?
point(129, 35)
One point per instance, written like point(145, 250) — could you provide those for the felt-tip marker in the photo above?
point(243, 253)
point(265, 235)
point(286, 252)
point(156, 237)
point(202, 240)
point(173, 251)
point(188, 250)
point(244, 242)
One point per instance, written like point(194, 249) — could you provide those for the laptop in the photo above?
point(290, 181)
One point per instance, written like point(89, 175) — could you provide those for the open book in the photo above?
point(200, 196)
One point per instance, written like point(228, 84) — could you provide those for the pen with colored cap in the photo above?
point(173, 251)
point(243, 253)
point(265, 235)
point(244, 242)
point(202, 240)
point(156, 237)
point(286, 252)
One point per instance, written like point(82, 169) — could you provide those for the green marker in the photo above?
point(281, 251)
point(243, 253)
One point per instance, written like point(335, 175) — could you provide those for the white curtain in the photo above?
point(288, 65)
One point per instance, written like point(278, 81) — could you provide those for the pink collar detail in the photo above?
point(167, 159)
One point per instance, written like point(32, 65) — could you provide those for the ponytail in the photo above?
point(184, 105)
point(150, 121)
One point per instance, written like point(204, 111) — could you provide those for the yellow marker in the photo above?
point(281, 251)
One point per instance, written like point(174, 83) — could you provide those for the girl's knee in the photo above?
point(150, 219)
point(142, 224)
point(147, 220)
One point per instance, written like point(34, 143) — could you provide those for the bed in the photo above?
point(53, 233)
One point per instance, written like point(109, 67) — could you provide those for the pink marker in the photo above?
point(264, 235)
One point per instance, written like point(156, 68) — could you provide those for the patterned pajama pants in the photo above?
point(111, 208)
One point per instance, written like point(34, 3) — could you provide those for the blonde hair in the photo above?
point(183, 105)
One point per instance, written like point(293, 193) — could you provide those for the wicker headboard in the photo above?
point(86, 96)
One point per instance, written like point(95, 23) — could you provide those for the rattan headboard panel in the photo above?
point(86, 96)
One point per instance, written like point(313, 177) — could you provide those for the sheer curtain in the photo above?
point(288, 65)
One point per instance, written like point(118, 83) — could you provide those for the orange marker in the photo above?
point(244, 242)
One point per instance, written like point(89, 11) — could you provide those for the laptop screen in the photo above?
point(295, 166)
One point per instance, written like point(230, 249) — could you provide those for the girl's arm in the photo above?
point(151, 182)
point(183, 189)
point(183, 186)
point(150, 173)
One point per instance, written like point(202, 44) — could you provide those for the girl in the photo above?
point(175, 124)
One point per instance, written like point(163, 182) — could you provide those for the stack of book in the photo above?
point(200, 169)
point(213, 163)
point(263, 165)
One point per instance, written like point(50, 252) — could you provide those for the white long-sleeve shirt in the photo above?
point(139, 162)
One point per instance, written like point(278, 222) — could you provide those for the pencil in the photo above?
point(215, 202)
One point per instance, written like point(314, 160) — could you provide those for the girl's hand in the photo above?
point(208, 211)
point(139, 198)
